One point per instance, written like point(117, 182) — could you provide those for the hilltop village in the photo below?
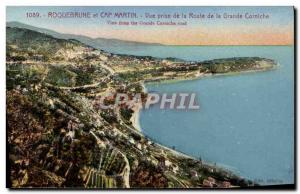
point(58, 137)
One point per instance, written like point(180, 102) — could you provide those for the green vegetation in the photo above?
point(35, 42)
point(126, 113)
point(61, 76)
point(59, 137)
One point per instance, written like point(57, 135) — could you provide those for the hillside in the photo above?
point(59, 137)
point(99, 43)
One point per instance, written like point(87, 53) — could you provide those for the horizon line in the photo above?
point(158, 44)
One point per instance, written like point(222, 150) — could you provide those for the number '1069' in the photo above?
point(32, 14)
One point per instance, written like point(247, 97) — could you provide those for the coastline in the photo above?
point(116, 135)
point(208, 75)
point(167, 150)
point(135, 119)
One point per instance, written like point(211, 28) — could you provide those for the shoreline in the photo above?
point(115, 135)
point(135, 118)
point(208, 75)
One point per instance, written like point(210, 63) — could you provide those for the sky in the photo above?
point(277, 29)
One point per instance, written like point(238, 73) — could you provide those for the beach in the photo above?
point(135, 118)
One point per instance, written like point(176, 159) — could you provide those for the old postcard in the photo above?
point(150, 97)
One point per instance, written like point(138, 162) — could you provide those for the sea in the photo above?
point(245, 122)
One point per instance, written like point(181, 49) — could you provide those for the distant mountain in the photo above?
point(24, 44)
point(30, 40)
point(99, 43)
